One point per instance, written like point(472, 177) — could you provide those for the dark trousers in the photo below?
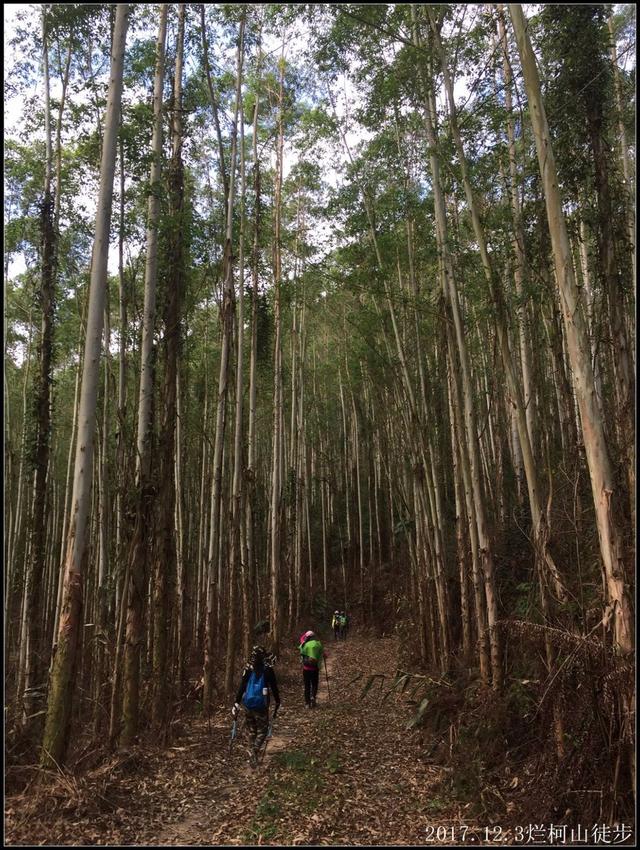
point(310, 684)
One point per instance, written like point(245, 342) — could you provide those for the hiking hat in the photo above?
point(305, 636)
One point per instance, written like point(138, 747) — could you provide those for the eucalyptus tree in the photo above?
point(35, 651)
point(618, 607)
point(137, 568)
point(275, 504)
point(165, 565)
point(227, 314)
point(56, 734)
point(253, 355)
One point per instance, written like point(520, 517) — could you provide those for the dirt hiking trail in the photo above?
point(345, 773)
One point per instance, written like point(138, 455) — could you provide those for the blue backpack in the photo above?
point(253, 697)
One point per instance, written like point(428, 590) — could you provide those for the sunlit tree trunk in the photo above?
point(57, 724)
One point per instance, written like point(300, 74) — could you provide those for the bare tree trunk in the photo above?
point(251, 433)
point(103, 536)
point(57, 726)
point(236, 571)
point(528, 398)
point(138, 560)
point(183, 631)
point(214, 102)
point(465, 614)
point(612, 284)
point(540, 521)
point(165, 564)
point(18, 524)
point(120, 600)
point(463, 455)
point(227, 312)
point(277, 443)
point(37, 647)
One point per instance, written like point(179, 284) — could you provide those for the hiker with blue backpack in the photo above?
point(311, 655)
point(258, 683)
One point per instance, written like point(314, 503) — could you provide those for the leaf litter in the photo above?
point(349, 772)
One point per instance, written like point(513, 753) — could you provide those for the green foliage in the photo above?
point(334, 763)
point(296, 783)
point(297, 760)
point(576, 89)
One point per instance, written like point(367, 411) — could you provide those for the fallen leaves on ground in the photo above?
point(344, 773)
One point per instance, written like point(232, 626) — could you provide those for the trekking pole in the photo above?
point(234, 729)
point(327, 678)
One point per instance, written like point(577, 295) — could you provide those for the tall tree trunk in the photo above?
point(138, 560)
point(165, 567)
point(37, 647)
point(236, 569)
point(227, 315)
point(277, 441)
point(518, 243)
point(121, 414)
point(57, 725)
point(183, 631)
point(251, 431)
point(612, 285)
point(104, 510)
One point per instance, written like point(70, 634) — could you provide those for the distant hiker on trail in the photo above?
point(347, 621)
point(311, 654)
point(343, 625)
point(258, 678)
point(335, 625)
